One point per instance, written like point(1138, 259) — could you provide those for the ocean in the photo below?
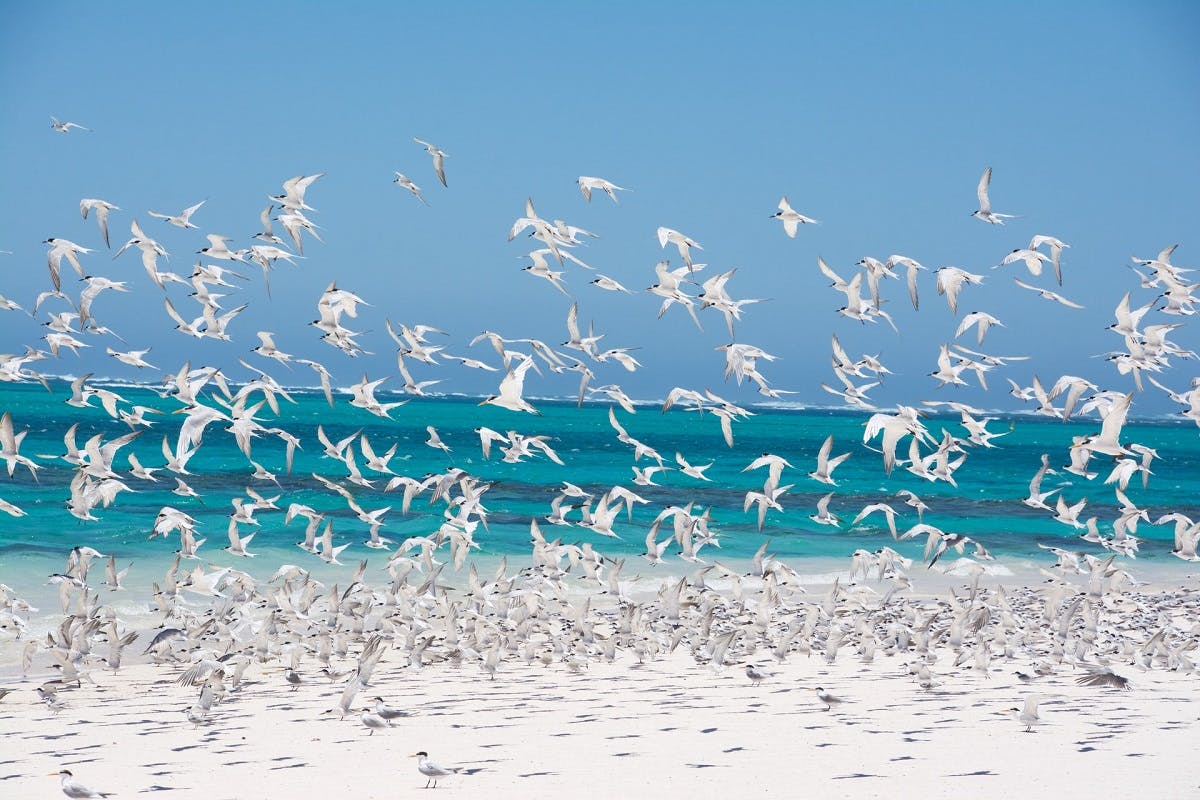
point(984, 506)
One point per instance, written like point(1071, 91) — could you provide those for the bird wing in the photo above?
point(982, 190)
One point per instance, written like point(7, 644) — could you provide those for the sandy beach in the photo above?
point(644, 724)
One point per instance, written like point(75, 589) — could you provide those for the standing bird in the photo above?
point(985, 212)
point(438, 158)
point(1028, 715)
point(431, 770)
point(73, 788)
point(388, 712)
point(373, 721)
point(828, 699)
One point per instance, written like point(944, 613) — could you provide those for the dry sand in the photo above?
point(670, 728)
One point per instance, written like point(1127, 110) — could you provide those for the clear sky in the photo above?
point(875, 118)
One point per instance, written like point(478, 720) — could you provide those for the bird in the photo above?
point(511, 389)
point(183, 219)
point(388, 712)
point(101, 210)
point(828, 699)
point(373, 721)
point(824, 516)
point(430, 770)
point(74, 789)
point(692, 470)
point(825, 464)
point(755, 675)
point(1102, 676)
point(65, 127)
point(1047, 294)
point(681, 241)
point(791, 218)
point(438, 159)
point(1056, 247)
point(982, 320)
point(435, 441)
point(1028, 714)
point(950, 281)
point(985, 212)
point(294, 190)
point(405, 182)
point(587, 185)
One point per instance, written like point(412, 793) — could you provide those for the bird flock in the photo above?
point(217, 620)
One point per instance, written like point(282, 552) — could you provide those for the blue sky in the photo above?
point(876, 119)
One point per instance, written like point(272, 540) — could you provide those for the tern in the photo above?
point(950, 281)
point(692, 470)
point(985, 212)
point(825, 464)
point(1047, 294)
point(65, 127)
point(183, 219)
point(587, 185)
point(74, 789)
point(791, 218)
point(439, 157)
point(388, 712)
point(828, 699)
point(292, 198)
point(1056, 247)
point(983, 322)
point(682, 242)
point(431, 770)
point(1028, 715)
point(405, 182)
point(372, 721)
point(101, 209)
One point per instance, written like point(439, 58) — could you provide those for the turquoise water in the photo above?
point(985, 505)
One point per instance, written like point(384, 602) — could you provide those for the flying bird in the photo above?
point(587, 185)
point(439, 158)
point(791, 218)
point(65, 127)
point(985, 212)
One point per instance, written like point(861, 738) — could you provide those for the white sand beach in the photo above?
point(561, 718)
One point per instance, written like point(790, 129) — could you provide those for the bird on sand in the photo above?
point(828, 699)
point(373, 721)
point(431, 770)
point(1028, 714)
point(755, 674)
point(75, 789)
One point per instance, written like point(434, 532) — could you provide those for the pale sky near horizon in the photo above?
point(875, 118)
